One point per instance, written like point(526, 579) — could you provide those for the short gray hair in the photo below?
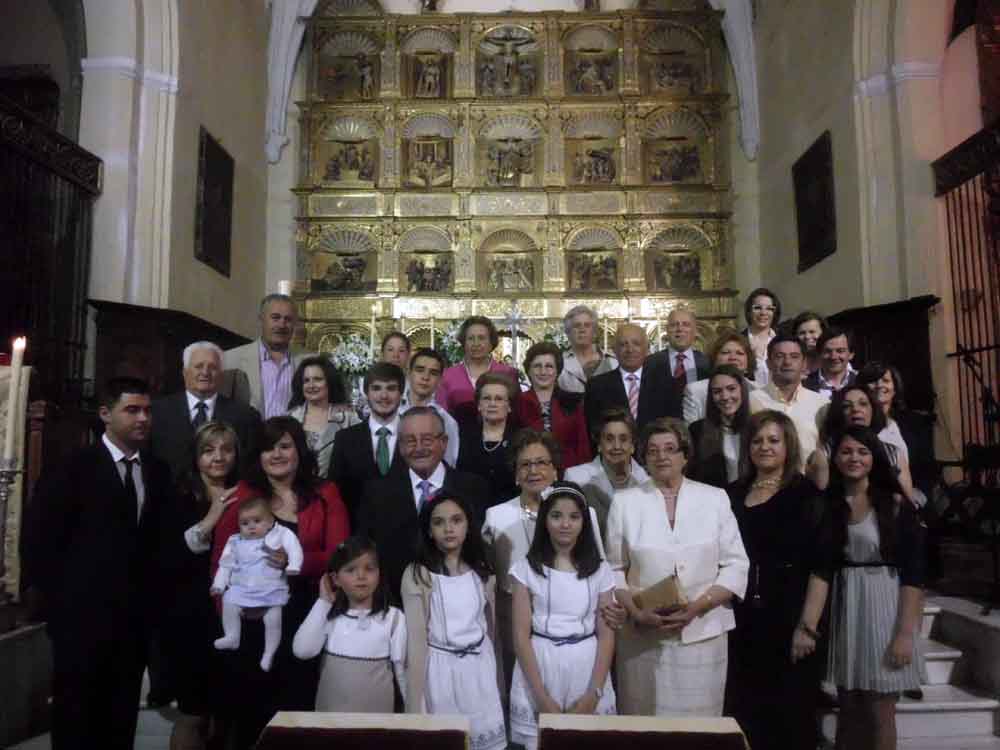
point(578, 310)
point(192, 348)
point(277, 298)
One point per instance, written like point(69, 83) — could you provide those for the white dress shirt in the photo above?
point(625, 374)
point(193, 402)
point(436, 480)
point(805, 408)
point(690, 368)
point(117, 454)
point(393, 426)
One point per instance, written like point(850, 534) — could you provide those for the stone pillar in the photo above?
point(629, 58)
point(553, 58)
point(389, 88)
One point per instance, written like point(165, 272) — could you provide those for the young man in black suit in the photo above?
point(88, 546)
point(632, 386)
point(390, 506)
point(368, 450)
point(680, 364)
point(176, 417)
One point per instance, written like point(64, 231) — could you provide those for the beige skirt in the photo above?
point(669, 678)
point(355, 685)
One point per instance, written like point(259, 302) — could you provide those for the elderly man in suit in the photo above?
point(680, 363)
point(176, 417)
point(88, 550)
point(268, 362)
point(390, 507)
point(633, 386)
point(367, 450)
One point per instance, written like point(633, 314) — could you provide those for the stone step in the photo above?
point(977, 742)
point(939, 661)
point(946, 711)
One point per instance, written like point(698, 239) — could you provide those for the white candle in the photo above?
point(371, 339)
point(659, 336)
point(13, 398)
point(402, 324)
point(285, 287)
point(605, 327)
point(432, 331)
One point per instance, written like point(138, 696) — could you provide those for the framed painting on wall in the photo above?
point(213, 221)
point(815, 214)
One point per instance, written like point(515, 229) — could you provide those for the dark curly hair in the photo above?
point(334, 381)
point(478, 320)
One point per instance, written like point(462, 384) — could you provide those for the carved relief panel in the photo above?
point(679, 259)
point(509, 152)
point(347, 65)
point(345, 152)
point(344, 260)
point(509, 262)
point(591, 66)
point(428, 63)
point(677, 147)
point(508, 62)
point(675, 61)
point(426, 261)
point(593, 147)
point(428, 151)
point(594, 260)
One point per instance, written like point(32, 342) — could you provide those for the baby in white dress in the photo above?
point(246, 579)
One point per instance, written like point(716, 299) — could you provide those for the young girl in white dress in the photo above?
point(362, 637)
point(449, 599)
point(245, 579)
point(564, 649)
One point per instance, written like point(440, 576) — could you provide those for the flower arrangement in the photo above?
point(350, 356)
point(557, 335)
point(449, 344)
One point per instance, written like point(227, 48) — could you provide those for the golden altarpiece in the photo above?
point(456, 164)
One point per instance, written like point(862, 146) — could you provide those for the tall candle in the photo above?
point(605, 327)
point(13, 398)
point(432, 331)
point(371, 339)
point(402, 324)
point(659, 336)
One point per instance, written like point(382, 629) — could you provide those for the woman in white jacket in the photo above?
point(674, 663)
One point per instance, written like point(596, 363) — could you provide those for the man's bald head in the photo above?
point(631, 346)
point(682, 326)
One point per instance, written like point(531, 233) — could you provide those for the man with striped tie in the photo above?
point(390, 507)
point(634, 385)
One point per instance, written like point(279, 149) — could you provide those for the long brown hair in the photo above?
point(793, 450)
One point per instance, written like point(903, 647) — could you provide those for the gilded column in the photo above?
point(553, 58)
point(465, 260)
point(554, 262)
point(463, 146)
point(388, 233)
point(390, 62)
point(633, 146)
point(554, 174)
point(465, 80)
point(635, 278)
point(629, 57)
point(390, 148)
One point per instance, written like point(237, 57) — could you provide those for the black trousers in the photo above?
point(96, 685)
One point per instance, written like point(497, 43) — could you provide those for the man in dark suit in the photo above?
point(87, 549)
point(368, 450)
point(176, 417)
point(391, 506)
point(680, 364)
point(835, 347)
point(633, 386)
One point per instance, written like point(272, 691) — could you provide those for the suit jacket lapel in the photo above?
point(370, 467)
point(112, 484)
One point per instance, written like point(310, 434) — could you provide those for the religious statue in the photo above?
point(677, 74)
point(366, 77)
point(675, 164)
point(429, 163)
point(428, 78)
point(594, 271)
point(594, 166)
point(508, 161)
point(350, 161)
point(507, 72)
point(592, 77)
point(487, 78)
point(510, 274)
point(428, 6)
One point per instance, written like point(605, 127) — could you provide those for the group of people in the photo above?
point(263, 546)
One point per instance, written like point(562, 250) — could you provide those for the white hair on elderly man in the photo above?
point(190, 349)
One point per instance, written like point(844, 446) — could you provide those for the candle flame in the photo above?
point(20, 342)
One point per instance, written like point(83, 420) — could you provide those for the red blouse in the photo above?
point(570, 430)
point(323, 524)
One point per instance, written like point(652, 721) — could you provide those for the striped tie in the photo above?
point(633, 395)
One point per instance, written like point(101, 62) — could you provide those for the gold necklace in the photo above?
point(766, 484)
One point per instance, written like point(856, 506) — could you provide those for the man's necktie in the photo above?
point(202, 416)
point(130, 491)
point(680, 374)
point(382, 450)
point(633, 395)
point(425, 493)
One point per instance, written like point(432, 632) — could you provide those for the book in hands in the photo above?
point(663, 598)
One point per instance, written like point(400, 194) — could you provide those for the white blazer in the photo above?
point(704, 548)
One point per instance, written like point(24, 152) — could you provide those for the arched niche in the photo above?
point(340, 8)
point(347, 65)
point(590, 54)
point(676, 148)
point(508, 62)
point(675, 60)
point(509, 152)
point(509, 263)
point(428, 151)
point(346, 153)
point(428, 63)
point(426, 261)
point(594, 260)
point(592, 149)
point(345, 261)
point(678, 259)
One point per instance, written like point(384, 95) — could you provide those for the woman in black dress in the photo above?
point(190, 622)
point(485, 443)
point(718, 437)
point(774, 670)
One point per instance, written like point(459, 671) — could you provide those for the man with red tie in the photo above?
point(680, 363)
